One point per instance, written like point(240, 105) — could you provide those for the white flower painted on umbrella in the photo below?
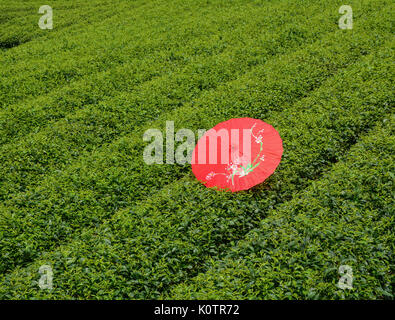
point(210, 176)
point(240, 166)
point(232, 167)
point(258, 139)
point(242, 173)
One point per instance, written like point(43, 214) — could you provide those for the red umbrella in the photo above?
point(237, 154)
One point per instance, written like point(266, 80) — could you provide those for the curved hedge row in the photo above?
point(143, 250)
point(19, 20)
point(41, 66)
point(345, 218)
point(192, 51)
point(95, 187)
point(63, 141)
point(36, 68)
point(76, 194)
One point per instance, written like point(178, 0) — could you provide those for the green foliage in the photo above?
point(345, 218)
point(76, 194)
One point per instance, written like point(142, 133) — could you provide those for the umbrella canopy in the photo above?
point(237, 154)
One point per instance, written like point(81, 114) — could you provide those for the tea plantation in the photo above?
point(76, 194)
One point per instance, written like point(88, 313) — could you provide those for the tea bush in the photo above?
point(76, 194)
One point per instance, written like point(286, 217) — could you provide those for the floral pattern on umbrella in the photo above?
point(236, 168)
point(261, 147)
